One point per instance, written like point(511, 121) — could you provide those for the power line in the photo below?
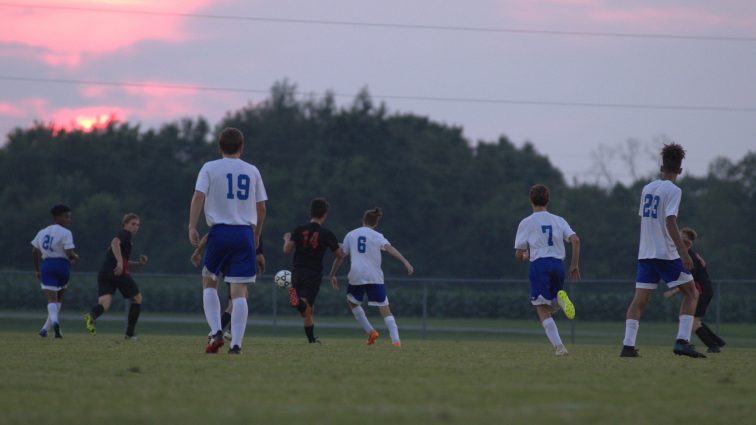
point(709, 108)
point(383, 24)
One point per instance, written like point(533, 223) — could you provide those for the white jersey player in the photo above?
point(365, 245)
point(233, 196)
point(662, 255)
point(53, 253)
point(540, 238)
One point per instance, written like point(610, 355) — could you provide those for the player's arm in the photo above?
point(337, 262)
point(674, 233)
point(288, 246)
point(198, 201)
point(115, 246)
point(142, 261)
point(398, 255)
point(197, 254)
point(574, 271)
point(261, 211)
point(73, 257)
point(36, 260)
point(522, 254)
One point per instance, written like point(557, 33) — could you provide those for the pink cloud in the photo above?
point(65, 37)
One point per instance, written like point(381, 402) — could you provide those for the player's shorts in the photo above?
point(376, 294)
point(108, 283)
point(54, 273)
point(307, 285)
point(546, 279)
point(653, 270)
point(705, 293)
point(230, 251)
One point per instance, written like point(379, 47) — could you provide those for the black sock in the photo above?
point(705, 337)
point(134, 311)
point(310, 331)
point(225, 319)
point(720, 342)
point(97, 311)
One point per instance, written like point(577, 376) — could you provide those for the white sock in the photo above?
point(211, 303)
point(48, 323)
point(239, 321)
point(359, 314)
point(392, 328)
point(685, 327)
point(52, 312)
point(631, 332)
point(552, 333)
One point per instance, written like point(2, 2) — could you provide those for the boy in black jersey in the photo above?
point(308, 242)
point(114, 274)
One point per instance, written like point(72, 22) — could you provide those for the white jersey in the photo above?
point(365, 245)
point(543, 234)
point(232, 189)
point(53, 241)
point(660, 199)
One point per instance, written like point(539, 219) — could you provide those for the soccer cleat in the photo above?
point(56, 329)
point(566, 304)
point(227, 335)
point(315, 340)
point(293, 298)
point(561, 351)
point(234, 350)
point(628, 351)
point(683, 348)
point(713, 349)
point(131, 338)
point(397, 344)
point(90, 322)
point(372, 337)
point(215, 344)
point(43, 332)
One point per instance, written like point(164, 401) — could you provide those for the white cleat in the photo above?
point(561, 351)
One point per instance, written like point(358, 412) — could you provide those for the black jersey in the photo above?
point(700, 274)
point(110, 261)
point(311, 241)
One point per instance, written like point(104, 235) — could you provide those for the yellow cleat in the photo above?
point(90, 322)
point(564, 301)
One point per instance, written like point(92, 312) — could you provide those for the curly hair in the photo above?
point(672, 156)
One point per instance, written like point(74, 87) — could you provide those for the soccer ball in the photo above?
point(283, 278)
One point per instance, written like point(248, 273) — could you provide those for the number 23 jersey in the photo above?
point(659, 199)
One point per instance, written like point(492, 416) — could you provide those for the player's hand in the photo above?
point(118, 270)
point(334, 282)
point(687, 262)
point(260, 260)
point(669, 294)
point(574, 273)
point(287, 236)
point(143, 260)
point(37, 274)
point(195, 258)
point(193, 237)
point(410, 269)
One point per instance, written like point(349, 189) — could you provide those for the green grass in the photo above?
point(166, 378)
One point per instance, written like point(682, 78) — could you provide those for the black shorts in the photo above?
point(307, 286)
point(706, 292)
point(107, 283)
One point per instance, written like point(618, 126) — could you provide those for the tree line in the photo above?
point(450, 207)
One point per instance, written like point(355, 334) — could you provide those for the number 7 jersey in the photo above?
point(544, 234)
point(660, 199)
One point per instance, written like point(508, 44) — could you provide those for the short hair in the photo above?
point(672, 156)
point(372, 216)
point(539, 195)
point(689, 232)
point(318, 207)
point(231, 140)
point(59, 210)
point(128, 217)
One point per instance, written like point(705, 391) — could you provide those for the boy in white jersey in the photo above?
point(662, 255)
point(364, 245)
point(540, 238)
point(233, 196)
point(53, 253)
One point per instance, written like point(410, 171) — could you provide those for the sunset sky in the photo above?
point(552, 89)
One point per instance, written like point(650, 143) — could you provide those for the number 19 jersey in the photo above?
point(659, 199)
point(364, 245)
point(232, 189)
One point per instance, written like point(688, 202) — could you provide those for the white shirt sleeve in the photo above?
point(35, 242)
point(521, 239)
point(260, 194)
point(673, 205)
point(203, 180)
point(345, 245)
point(68, 242)
point(566, 229)
point(384, 243)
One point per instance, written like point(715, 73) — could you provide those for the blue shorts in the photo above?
point(653, 270)
point(376, 294)
point(54, 273)
point(546, 279)
point(230, 251)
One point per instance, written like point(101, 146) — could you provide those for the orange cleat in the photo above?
point(397, 344)
point(372, 337)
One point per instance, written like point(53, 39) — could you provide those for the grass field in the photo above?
point(166, 378)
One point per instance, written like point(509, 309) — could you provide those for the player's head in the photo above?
point(672, 156)
point(318, 208)
point(61, 215)
point(688, 235)
point(231, 141)
point(131, 223)
point(539, 195)
point(372, 216)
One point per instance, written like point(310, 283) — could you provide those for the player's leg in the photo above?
point(355, 295)
point(550, 328)
point(52, 310)
point(130, 290)
point(543, 295)
point(308, 292)
point(239, 314)
point(704, 333)
point(240, 271)
point(106, 287)
point(685, 327)
point(226, 316)
point(646, 280)
point(377, 297)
